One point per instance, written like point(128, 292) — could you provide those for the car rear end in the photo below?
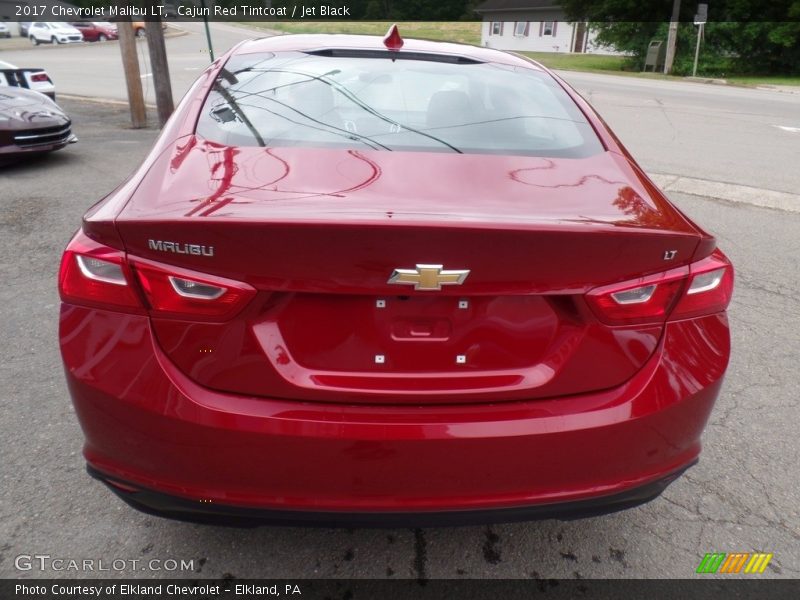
point(320, 330)
point(32, 78)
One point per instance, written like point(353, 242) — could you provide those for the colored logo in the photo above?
point(737, 562)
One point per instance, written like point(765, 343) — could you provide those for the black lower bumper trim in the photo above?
point(183, 509)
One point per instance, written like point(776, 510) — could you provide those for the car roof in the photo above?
point(6, 65)
point(309, 42)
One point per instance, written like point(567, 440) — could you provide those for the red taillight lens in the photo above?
point(702, 288)
point(39, 77)
point(644, 300)
point(175, 292)
point(95, 275)
point(710, 287)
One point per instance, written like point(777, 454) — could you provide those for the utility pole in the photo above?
point(672, 38)
point(133, 78)
point(700, 20)
point(208, 32)
point(160, 69)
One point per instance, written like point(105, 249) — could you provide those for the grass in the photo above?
point(579, 62)
point(450, 31)
point(764, 80)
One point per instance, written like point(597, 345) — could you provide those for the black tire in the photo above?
point(34, 41)
point(102, 37)
point(140, 32)
point(54, 40)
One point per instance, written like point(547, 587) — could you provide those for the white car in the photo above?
point(4, 30)
point(53, 33)
point(33, 78)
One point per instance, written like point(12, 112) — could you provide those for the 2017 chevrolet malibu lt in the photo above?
point(379, 281)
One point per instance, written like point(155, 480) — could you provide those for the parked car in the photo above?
point(24, 26)
point(5, 32)
point(379, 281)
point(53, 33)
point(139, 28)
point(32, 78)
point(31, 123)
point(96, 31)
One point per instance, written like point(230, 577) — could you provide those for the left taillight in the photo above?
point(96, 275)
point(180, 293)
point(93, 274)
point(40, 77)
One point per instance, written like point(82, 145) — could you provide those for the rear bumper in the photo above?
point(176, 507)
point(185, 451)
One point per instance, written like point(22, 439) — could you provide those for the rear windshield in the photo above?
point(407, 104)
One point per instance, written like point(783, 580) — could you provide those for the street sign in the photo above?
point(702, 14)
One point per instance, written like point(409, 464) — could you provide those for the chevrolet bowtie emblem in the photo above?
point(428, 277)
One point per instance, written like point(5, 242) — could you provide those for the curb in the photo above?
point(728, 192)
point(97, 100)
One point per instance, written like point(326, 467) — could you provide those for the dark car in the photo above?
point(31, 122)
point(385, 282)
point(24, 26)
point(96, 31)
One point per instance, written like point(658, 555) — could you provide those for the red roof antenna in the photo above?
point(392, 39)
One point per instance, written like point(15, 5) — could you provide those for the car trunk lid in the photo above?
point(321, 232)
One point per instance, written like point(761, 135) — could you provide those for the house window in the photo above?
point(497, 28)
point(548, 28)
point(520, 28)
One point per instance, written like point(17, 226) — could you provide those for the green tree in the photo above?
point(742, 36)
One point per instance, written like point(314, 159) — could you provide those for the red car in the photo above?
point(373, 282)
point(96, 31)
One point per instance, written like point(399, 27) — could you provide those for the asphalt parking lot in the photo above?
point(742, 497)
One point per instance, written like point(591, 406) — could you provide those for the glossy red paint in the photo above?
point(392, 39)
point(147, 423)
point(312, 383)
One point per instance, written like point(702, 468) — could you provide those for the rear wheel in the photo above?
point(102, 37)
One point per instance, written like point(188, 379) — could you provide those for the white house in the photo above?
point(534, 26)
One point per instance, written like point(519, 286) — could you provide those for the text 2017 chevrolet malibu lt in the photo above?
point(378, 282)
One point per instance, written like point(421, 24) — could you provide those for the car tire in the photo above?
point(34, 41)
point(54, 40)
point(102, 38)
point(140, 32)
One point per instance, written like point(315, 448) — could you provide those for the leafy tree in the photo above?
point(741, 35)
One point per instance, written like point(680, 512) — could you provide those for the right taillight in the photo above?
point(702, 288)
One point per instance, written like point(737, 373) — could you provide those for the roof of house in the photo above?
point(501, 5)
